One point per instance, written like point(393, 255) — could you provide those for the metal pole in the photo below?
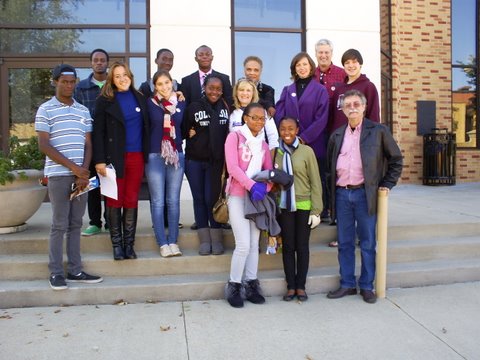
point(381, 259)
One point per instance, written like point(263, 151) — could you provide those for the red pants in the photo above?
point(128, 187)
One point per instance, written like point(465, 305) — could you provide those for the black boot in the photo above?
point(253, 292)
point(233, 294)
point(114, 216)
point(129, 230)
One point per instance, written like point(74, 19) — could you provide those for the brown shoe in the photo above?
point(341, 292)
point(368, 296)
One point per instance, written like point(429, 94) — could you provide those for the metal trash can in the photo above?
point(439, 156)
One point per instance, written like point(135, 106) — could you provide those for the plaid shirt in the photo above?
point(86, 93)
point(329, 79)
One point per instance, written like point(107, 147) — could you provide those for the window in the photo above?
point(273, 30)
point(465, 70)
point(38, 34)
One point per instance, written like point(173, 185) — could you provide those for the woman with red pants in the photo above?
point(120, 138)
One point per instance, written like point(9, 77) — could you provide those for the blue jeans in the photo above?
point(199, 175)
point(164, 184)
point(352, 217)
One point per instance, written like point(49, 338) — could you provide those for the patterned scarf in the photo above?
point(168, 149)
point(287, 197)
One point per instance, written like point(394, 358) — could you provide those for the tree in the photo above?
point(28, 88)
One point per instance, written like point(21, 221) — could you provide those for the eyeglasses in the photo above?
point(355, 104)
point(256, 118)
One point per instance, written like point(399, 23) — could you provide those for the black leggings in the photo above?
point(295, 251)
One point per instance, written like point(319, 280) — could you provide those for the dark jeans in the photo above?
point(353, 218)
point(295, 250)
point(199, 175)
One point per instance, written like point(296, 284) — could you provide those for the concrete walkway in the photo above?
point(437, 323)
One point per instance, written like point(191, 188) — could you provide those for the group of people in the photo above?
point(318, 153)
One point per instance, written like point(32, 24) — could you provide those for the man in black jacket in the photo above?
point(164, 61)
point(362, 158)
point(191, 85)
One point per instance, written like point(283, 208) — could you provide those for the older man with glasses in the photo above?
point(362, 158)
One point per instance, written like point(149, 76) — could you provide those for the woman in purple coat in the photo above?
point(307, 101)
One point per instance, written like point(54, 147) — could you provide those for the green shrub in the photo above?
point(21, 156)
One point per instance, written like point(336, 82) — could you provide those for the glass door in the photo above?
point(24, 85)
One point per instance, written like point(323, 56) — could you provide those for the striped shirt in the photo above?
point(67, 126)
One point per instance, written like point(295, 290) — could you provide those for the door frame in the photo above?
point(30, 62)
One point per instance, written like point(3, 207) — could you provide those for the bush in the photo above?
point(21, 156)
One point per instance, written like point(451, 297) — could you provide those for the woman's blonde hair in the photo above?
point(109, 89)
point(240, 82)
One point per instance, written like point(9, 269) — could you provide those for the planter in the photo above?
point(20, 199)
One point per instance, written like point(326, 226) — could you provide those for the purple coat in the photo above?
point(311, 112)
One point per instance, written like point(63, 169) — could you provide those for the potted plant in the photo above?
point(20, 191)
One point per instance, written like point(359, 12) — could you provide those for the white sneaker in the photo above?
point(175, 250)
point(165, 251)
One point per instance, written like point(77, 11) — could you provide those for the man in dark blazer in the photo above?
point(191, 85)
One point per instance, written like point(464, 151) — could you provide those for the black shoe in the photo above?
point(194, 226)
point(226, 226)
point(118, 253)
point(288, 296)
point(130, 252)
point(368, 296)
point(57, 282)
point(234, 294)
point(341, 292)
point(180, 225)
point(302, 297)
point(325, 216)
point(253, 292)
point(83, 277)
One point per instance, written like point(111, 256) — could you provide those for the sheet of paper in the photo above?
point(108, 184)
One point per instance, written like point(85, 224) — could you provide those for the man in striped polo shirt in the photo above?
point(64, 134)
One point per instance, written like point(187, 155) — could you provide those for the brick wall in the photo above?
point(421, 50)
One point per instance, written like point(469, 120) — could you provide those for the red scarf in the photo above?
point(168, 148)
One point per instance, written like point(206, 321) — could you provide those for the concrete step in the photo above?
point(149, 262)
point(119, 290)
point(37, 242)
